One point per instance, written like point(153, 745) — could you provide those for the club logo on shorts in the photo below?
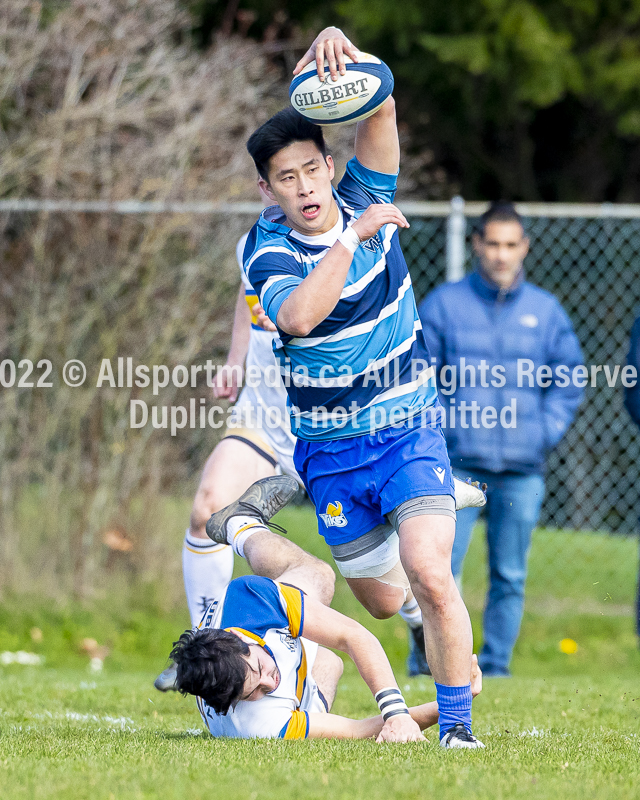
point(334, 518)
point(439, 474)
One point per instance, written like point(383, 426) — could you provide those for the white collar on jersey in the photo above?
point(327, 239)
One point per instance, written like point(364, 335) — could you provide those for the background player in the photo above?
point(252, 448)
point(248, 664)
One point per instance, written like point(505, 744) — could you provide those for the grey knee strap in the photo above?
point(442, 504)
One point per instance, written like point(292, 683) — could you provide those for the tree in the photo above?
point(528, 99)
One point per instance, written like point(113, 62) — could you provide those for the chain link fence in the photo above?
point(586, 256)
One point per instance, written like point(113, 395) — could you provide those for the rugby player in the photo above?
point(329, 272)
point(258, 662)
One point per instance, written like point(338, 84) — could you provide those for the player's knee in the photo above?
point(383, 608)
point(326, 578)
point(205, 503)
point(433, 588)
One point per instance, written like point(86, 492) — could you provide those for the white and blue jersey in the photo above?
point(272, 614)
point(368, 358)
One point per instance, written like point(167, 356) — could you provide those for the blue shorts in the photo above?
point(354, 482)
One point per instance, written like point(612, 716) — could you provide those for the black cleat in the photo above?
point(460, 738)
point(262, 500)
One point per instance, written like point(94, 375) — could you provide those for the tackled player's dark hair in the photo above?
point(499, 211)
point(211, 666)
point(283, 129)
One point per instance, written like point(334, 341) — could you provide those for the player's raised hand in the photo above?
point(226, 382)
point(377, 215)
point(332, 44)
point(262, 319)
point(400, 728)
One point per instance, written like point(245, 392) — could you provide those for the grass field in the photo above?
point(565, 726)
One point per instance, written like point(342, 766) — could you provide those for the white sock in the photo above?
point(239, 529)
point(207, 569)
point(410, 612)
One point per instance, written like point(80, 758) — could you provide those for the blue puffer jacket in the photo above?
point(475, 321)
point(632, 394)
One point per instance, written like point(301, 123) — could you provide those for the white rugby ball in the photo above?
point(354, 96)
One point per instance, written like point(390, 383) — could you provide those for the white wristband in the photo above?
point(350, 239)
point(391, 702)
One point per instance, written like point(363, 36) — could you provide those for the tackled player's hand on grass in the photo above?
point(401, 728)
point(332, 44)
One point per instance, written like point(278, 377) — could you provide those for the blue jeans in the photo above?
point(513, 507)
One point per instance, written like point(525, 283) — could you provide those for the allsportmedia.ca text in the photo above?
point(124, 374)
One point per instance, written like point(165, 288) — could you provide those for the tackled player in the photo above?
point(257, 663)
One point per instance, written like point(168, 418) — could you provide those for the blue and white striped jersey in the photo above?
point(366, 366)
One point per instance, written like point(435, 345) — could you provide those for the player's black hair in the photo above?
point(211, 666)
point(283, 129)
point(499, 211)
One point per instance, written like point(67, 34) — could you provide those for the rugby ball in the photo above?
point(354, 96)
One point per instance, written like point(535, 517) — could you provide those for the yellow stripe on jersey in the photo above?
point(301, 675)
point(253, 636)
point(252, 299)
point(293, 600)
point(297, 727)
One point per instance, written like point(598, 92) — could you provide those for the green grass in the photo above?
point(562, 727)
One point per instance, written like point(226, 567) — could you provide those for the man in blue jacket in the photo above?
point(499, 342)
point(632, 404)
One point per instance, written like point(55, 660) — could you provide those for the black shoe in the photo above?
point(460, 738)
point(262, 500)
point(417, 661)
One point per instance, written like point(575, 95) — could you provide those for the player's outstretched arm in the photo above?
point(227, 378)
point(329, 628)
point(332, 726)
point(377, 144)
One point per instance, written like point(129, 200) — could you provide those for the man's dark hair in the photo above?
point(500, 211)
point(283, 129)
point(211, 665)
